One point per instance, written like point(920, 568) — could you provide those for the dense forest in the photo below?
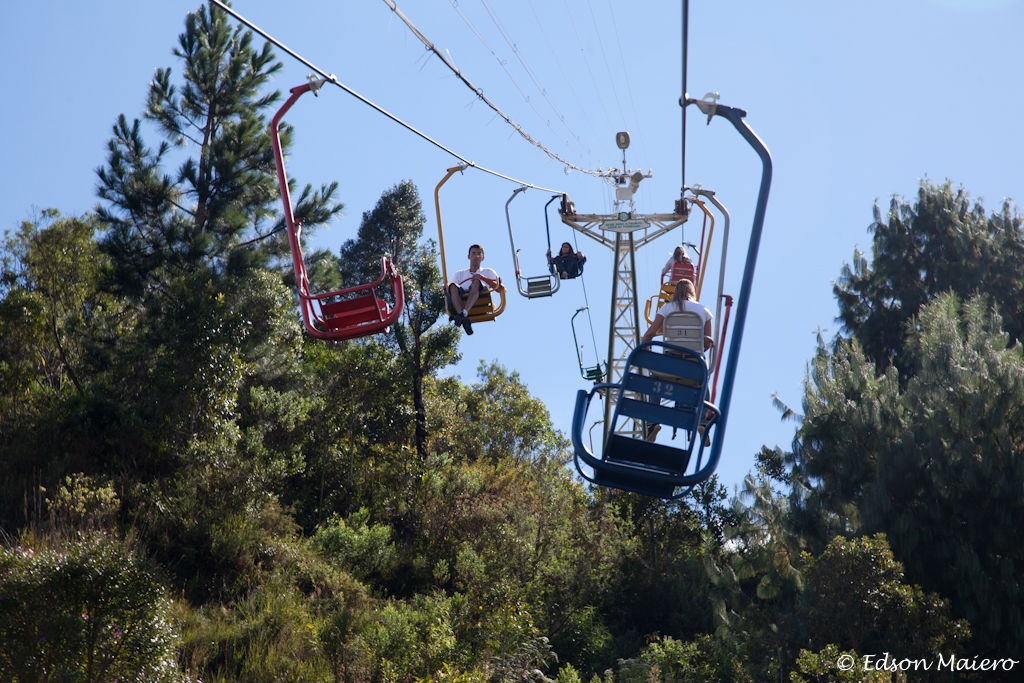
point(193, 490)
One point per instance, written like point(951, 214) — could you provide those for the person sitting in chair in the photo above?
point(679, 266)
point(467, 285)
point(683, 300)
point(569, 262)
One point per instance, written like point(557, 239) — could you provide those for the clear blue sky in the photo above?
point(857, 101)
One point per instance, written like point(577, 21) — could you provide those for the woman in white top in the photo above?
point(684, 300)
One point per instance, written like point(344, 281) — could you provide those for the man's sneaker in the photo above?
point(466, 325)
point(457, 318)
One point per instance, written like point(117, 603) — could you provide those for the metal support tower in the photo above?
point(623, 233)
point(624, 329)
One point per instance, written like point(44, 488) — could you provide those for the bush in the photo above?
point(85, 611)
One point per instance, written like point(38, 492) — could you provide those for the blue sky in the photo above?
point(856, 101)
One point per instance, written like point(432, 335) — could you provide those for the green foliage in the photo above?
point(938, 463)
point(857, 599)
point(221, 198)
point(82, 503)
point(339, 512)
point(824, 667)
point(51, 270)
point(394, 227)
point(86, 610)
point(497, 419)
point(363, 549)
point(940, 243)
point(666, 659)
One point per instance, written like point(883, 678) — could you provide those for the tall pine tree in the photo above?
point(939, 243)
point(215, 208)
point(394, 227)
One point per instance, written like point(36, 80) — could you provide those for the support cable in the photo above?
point(563, 78)
point(480, 93)
point(529, 72)
point(504, 67)
point(331, 78)
point(682, 142)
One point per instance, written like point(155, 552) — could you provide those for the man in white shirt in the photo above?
point(467, 285)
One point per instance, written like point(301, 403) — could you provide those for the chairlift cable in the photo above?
point(480, 93)
point(529, 71)
point(586, 61)
point(607, 65)
point(622, 60)
point(503, 64)
point(682, 139)
point(563, 77)
point(586, 300)
point(331, 78)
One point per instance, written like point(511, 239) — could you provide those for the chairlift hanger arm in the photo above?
point(437, 209)
point(735, 116)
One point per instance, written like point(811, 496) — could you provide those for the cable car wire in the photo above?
point(563, 78)
point(480, 93)
point(501, 62)
point(331, 78)
point(529, 71)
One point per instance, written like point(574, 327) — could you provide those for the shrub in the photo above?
point(87, 610)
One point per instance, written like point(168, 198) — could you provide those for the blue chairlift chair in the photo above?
point(666, 384)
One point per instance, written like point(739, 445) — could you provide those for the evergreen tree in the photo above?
point(940, 243)
point(936, 464)
point(394, 227)
point(220, 202)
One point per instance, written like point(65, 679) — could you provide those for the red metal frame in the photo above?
point(721, 344)
point(345, 313)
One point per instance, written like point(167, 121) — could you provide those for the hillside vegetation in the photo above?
point(194, 490)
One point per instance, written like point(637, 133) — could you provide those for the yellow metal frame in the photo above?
point(706, 247)
point(668, 289)
point(484, 308)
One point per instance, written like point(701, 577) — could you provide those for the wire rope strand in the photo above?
point(685, 46)
point(503, 64)
point(622, 60)
point(331, 78)
point(607, 65)
point(586, 62)
point(480, 93)
point(586, 301)
point(526, 67)
point(563, 78)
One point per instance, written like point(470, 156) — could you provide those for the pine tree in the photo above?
point(215, 210)
point(940, 243)
point(934, 461)
point(394, 227)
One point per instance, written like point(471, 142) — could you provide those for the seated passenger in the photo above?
point(683, 300)
point(679, 266)
point(568, 263)
point(467, 285)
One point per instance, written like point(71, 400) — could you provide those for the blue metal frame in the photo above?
point(662, 482)
point(636, 465)
point(735, 117)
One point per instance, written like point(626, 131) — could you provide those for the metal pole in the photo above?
point(682, 152)
point(735, 117)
